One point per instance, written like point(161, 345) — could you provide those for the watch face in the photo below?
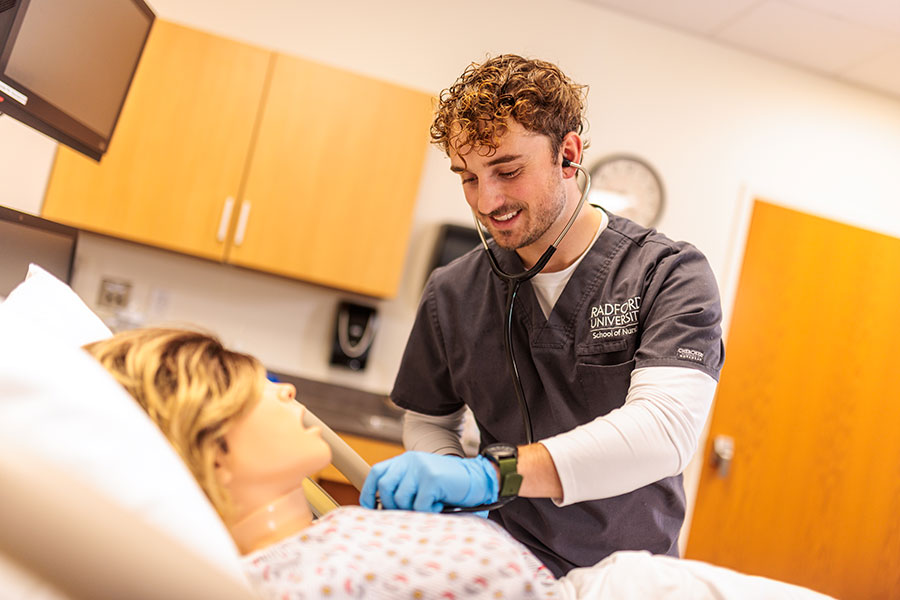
point(629, 187)
point(501, 450)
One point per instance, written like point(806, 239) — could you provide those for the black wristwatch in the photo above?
point(506, 457)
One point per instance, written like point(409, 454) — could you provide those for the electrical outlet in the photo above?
point(114, 293)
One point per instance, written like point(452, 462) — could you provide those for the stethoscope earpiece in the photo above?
point(566, 163)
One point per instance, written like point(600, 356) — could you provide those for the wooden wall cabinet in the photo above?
point(237, 154)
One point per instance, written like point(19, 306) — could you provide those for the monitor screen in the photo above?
point(69, 65)
point(28, 239)
point(452, 242)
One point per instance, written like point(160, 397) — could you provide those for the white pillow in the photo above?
point(44, 302)
point(59, 404)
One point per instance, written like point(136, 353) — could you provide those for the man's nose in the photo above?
point(490, 196)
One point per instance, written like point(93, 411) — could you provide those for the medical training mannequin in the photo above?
point(243, 439)
point(247, 455)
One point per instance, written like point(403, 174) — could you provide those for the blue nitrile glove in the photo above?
point(426, 482)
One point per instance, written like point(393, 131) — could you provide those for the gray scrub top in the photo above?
point(637, 299)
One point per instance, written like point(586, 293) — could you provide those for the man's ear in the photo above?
point(571, 149)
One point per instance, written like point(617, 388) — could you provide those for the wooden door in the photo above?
point(179, 149)
point(333, 178)
point(810, 393)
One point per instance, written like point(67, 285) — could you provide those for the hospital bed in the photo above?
point(95, 504)
point(62, 539)
point(43, 507)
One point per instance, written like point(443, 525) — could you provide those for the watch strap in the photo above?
point(506, 459)
point(510, 479)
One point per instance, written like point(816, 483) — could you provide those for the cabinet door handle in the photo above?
point(226, 219)
point(242, 223)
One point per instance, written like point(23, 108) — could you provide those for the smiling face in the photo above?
point(517, 192)
point(270, 447)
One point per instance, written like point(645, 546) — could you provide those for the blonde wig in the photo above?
point(191, 386)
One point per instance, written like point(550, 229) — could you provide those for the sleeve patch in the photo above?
point(689, 354)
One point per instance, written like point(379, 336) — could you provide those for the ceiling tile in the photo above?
point(696, 16)
point(881, 72)
point(804, 37)
point(877, 14)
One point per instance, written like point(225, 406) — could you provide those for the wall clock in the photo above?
point(627, 186)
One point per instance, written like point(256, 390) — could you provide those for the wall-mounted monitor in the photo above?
point(66, 65)
point(452, 242)
point(28, 239)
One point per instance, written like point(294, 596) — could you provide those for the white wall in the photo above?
point(25, 160)
point(720, 126)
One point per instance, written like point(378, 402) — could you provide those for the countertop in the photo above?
point(347, 409)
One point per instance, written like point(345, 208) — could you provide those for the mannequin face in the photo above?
point(270, 448)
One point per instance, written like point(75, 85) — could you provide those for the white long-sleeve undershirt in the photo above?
point(652, 436)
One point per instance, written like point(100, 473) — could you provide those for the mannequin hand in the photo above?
point(426, 482)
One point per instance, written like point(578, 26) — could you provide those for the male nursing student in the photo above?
point(617, 340)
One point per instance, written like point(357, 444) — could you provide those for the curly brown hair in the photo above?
point(473, 112)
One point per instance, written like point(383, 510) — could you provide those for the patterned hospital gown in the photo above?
point(357, 553)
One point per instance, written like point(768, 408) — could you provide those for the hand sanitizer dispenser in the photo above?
point(354, 332)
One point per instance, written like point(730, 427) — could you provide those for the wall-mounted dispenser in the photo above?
point(354, 331)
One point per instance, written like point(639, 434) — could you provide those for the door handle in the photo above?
point(723, 454)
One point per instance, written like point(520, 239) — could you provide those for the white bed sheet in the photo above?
point(642, 576)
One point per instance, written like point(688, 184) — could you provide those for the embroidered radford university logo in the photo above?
point(615, 319)
point(688, 354)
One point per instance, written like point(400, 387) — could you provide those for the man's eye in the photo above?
point(468, 180)
point(510, 174)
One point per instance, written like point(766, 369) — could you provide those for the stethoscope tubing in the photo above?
point(513, 281)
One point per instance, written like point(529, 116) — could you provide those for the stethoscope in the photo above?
point(513, 281)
